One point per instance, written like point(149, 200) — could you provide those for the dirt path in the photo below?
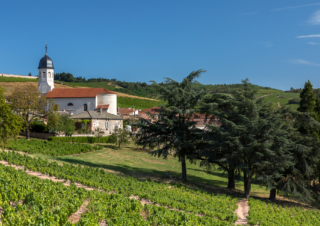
point(74, 218)
point(242, 212)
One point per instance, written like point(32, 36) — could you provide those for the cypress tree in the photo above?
point(307, 101)
point(173, 130)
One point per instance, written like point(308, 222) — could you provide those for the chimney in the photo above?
point(64, 110)
point(100, 110)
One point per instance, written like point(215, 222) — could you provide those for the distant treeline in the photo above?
point(139, 88)
point(315, 91)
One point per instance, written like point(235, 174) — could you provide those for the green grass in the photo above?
point(14, 79)
point(143, 166)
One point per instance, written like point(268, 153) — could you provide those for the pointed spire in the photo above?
point(46, 48)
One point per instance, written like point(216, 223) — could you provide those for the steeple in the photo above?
point(46, 74)
point(46, 48)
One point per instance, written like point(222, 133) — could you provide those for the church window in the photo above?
point(43, 74)
point(85, 107)
point(70, 104)
point(49, 74)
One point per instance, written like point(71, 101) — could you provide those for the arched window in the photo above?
point(43, 74)
point(85, 107)
point(70, 104)
point(49, 75)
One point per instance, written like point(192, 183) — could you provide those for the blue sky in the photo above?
point(273, 43)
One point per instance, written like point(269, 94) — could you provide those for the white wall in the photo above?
point(45, 80)
point(110, 99)
point(77, 104)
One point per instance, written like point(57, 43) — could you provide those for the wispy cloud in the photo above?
point(313, 43)
point(309, 36)
point(267, 44)
point(246, 14)
point(315, 18)
point(304, 62)
point(294, 7)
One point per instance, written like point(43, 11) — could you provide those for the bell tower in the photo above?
point(46, 74)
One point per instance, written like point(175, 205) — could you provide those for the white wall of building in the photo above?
point(78, 104)
point(45, 80)
point(110, 99)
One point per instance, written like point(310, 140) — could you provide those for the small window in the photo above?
point(49, 75)
point(107, 125)
point(43, 74)
point(70, 104)
point(85, 107)
point(117, 125)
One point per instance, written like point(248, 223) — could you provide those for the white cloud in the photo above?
point(304, 62)
point(309, 36)
point(294, 7)
point(252, 13)
point(315, 18)
point(313, 43)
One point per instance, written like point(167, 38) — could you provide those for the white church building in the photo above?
point(74, 100)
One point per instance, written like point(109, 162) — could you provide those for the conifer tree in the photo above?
point(307, 101)
point(173, 128)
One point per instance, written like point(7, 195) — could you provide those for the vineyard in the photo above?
point(271, 214)
point(128, 102)
point(196, 207)
point(51, 148)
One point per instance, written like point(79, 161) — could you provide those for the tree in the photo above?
point(98, 133)
point(53, 122)
point(242, 141)
point(122, 136)
point(30, 74)
point(66, 125)
point(307, 101)
point(174, 127)
point(29, 104)
point(10, 124)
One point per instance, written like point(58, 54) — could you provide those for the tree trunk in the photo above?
point(273, 193)
point(247, 185)
point(231, 183)
point(28, 133)
point(184, 168)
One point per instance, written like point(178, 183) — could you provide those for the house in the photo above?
point(74, 100)
point(126, 112)
point(105, 121)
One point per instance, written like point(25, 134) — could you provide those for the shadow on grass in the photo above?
point(194, 182)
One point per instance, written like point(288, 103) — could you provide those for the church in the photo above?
point(74, 100)
point(97, 104)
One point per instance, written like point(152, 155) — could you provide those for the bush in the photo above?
point(112, 139)
point(39, 127)
point(294, 101)
point(109, 139)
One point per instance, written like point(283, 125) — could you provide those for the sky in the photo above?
point(274, 43)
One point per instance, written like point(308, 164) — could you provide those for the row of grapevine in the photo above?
point(271, 214)
point(218, 207)
point(51, 148)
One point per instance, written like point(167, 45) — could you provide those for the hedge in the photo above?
point(108, 139)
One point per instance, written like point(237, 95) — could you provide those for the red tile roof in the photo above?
point(153, 110)
point(77, 92)
point(125, 111)
point(104, 107)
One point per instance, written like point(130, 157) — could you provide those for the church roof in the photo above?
point(46, 62)
point(77, 92)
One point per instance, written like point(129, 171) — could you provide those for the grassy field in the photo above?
point(15, 79)
point(143, 166)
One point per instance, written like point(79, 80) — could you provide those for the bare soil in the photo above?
point(242, 212)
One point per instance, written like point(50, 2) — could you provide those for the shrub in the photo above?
point(39, 127)
point(294, 101)
point(109, 139)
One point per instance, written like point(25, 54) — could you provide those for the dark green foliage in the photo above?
point(108, 139)
point(122, 137)
point(173, 130)
point(112, 139)
point(15, 79)
point(307, 101)
point(39, 127)
point(50, 148)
